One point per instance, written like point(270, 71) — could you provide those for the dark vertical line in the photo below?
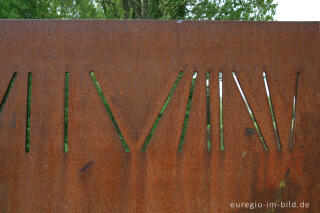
point(186, 118)
point(123, 142)
point(155, 124)
point(208, 112)
point(66, 111)
point(273, 117)
point(295, 98)
point(264, 144)
point(6, 94)
point(221, 111)
point(28, 128)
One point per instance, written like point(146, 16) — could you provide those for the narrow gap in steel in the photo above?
point(103, 99)
point(208, 112)
point(28, 128)
point(155, 124)
point(295, 97)
point(186, 118)
point(6, 94)
point(66, 111)
point(273, 117)
point(264, 144)
point(221, 111)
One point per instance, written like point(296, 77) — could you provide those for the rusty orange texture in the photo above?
point(136, 64)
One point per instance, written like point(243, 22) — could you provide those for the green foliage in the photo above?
point(49, 9)
point(74, 9)
point(139, 9)
point(111, 9)
point(261, 10)
point(173, 9)
point(24, 9)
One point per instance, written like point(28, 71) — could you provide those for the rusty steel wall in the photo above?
point(136, 64)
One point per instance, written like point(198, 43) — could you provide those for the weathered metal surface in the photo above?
point(136, 64)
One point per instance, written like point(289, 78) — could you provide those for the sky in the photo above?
point(298, 10)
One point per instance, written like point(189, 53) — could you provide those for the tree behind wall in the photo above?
point(139, 9)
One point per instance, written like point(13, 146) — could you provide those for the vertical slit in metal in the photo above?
point(293, 119)
point(264, 144)
point(221, 112)
point(6, 94)
point(104, 101)
point(66, 111)
point(273, 117)
point(208, 112)
point(28, 128)
point(186, 118)
point(155, 124)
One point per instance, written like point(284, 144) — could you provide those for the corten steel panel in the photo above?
point(136, 64)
